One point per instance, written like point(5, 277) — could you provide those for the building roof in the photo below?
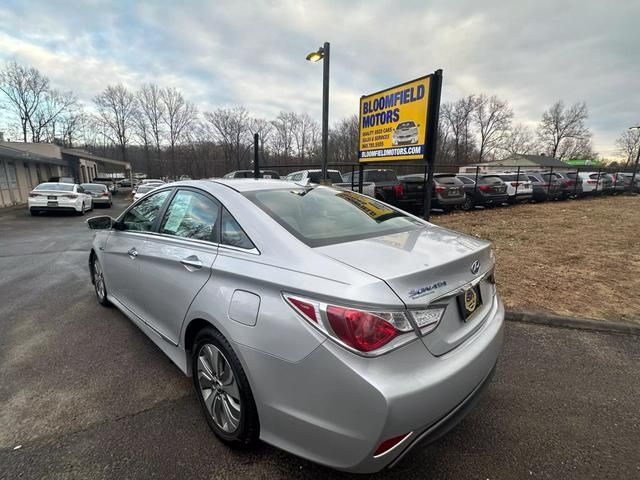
point(16, 154)
point(522, 160)
point(74, 152)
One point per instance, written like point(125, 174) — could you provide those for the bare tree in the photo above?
point(116, 107)
point(563, 125)
point(305, 131)
point(264, 129)
point(53, 105)
point(283, 137)
point(179, 116)
point(230, 127)
point(143, 132)
point(24, 89)
point(493, 117)
point(458, 117)
point(628, 143)
point(343, 140)
point(519, 140)
point(153, 109)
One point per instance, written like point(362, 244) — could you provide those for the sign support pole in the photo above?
point(431, 138)
point(256, 157)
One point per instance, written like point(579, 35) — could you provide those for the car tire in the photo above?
point(34, 213)
point(97, 278)
point(223, 390)
point(468, 203)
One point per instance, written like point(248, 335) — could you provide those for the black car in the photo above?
point(386, 184)
point(545, 186)
point(447, 192)
point(490, 190)
point(569, 186)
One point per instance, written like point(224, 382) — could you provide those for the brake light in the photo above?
point(360, 330)
point(34, 195)
point(592, 182)
point(399, 190)
point(105, 194)
point(484, 188)
point(440, 189)
point(364, 331)
point(70, 195)
point(389, 444)
point(515, 184)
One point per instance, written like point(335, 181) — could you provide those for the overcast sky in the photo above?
point(222, 53)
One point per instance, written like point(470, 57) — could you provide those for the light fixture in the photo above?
point(317, 55)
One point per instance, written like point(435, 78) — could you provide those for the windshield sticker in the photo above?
point(426, 290)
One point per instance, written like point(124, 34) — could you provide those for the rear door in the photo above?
point(175, 263)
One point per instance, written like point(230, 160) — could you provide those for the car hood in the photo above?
point(419, 265)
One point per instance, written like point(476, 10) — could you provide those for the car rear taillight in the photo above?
point(398, 190)
point(592, 182)
point(440, 189)
point(69, 195)
point(515, 184)
point(389, 444)
point(105, 194)
point(34, 195)
point(484, 188)
point(365, 331)
point(360, 330)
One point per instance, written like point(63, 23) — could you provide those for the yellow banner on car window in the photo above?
point(393, 123)
point(371, 207)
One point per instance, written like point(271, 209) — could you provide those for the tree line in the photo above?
point(162, 133)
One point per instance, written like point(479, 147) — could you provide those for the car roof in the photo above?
point(240, 184)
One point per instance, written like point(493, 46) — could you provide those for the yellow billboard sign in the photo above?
point(393, 123)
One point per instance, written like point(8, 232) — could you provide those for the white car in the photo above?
point(143, 189)
point(51, 196)
point(519, 187)
point(594, 182)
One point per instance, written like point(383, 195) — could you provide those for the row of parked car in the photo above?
point(466, 190)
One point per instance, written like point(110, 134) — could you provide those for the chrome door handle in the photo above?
point(133, 253)
point(191, 261)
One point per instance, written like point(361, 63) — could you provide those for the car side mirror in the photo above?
point(103, 222)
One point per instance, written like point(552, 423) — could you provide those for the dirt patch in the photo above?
point(577, 257)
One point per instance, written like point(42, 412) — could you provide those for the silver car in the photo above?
point(318, 320)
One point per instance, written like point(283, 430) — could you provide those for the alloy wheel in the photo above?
point(219, 388)
point(98, 279)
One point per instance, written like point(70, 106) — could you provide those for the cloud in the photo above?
point(226, 53)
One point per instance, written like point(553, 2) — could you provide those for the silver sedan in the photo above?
point(318, 320)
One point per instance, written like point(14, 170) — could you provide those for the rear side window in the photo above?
point(233, 234)
point(191, 215)
point(447, 180)
point(140, 218)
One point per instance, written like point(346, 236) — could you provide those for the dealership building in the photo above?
point(25, 165)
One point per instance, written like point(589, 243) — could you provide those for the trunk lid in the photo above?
point(425, 266)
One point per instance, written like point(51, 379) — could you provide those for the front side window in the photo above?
point(324, 216)
point(191, 215)
point(233, 234)
point(140, 218)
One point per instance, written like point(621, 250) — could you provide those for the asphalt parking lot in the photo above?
point(84, 394)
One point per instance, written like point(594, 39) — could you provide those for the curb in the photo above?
point(552, 320)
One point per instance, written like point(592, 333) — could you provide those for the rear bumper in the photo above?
point(335, 407)
point(492, 199)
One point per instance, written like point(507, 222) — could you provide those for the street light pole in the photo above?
point(325, 110)
point(323, 54)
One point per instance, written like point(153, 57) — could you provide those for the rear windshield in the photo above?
point(447, 180)
point(324, 216)
point(490, 180)
point(514, 177)
point(380, 176)
point(62, 187)
point(92, 187)
point(335, 177)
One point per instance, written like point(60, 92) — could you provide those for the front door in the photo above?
point(121, 251)
point(176, 262)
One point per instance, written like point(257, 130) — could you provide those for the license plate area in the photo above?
point(469, 302)
point(52, 197)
